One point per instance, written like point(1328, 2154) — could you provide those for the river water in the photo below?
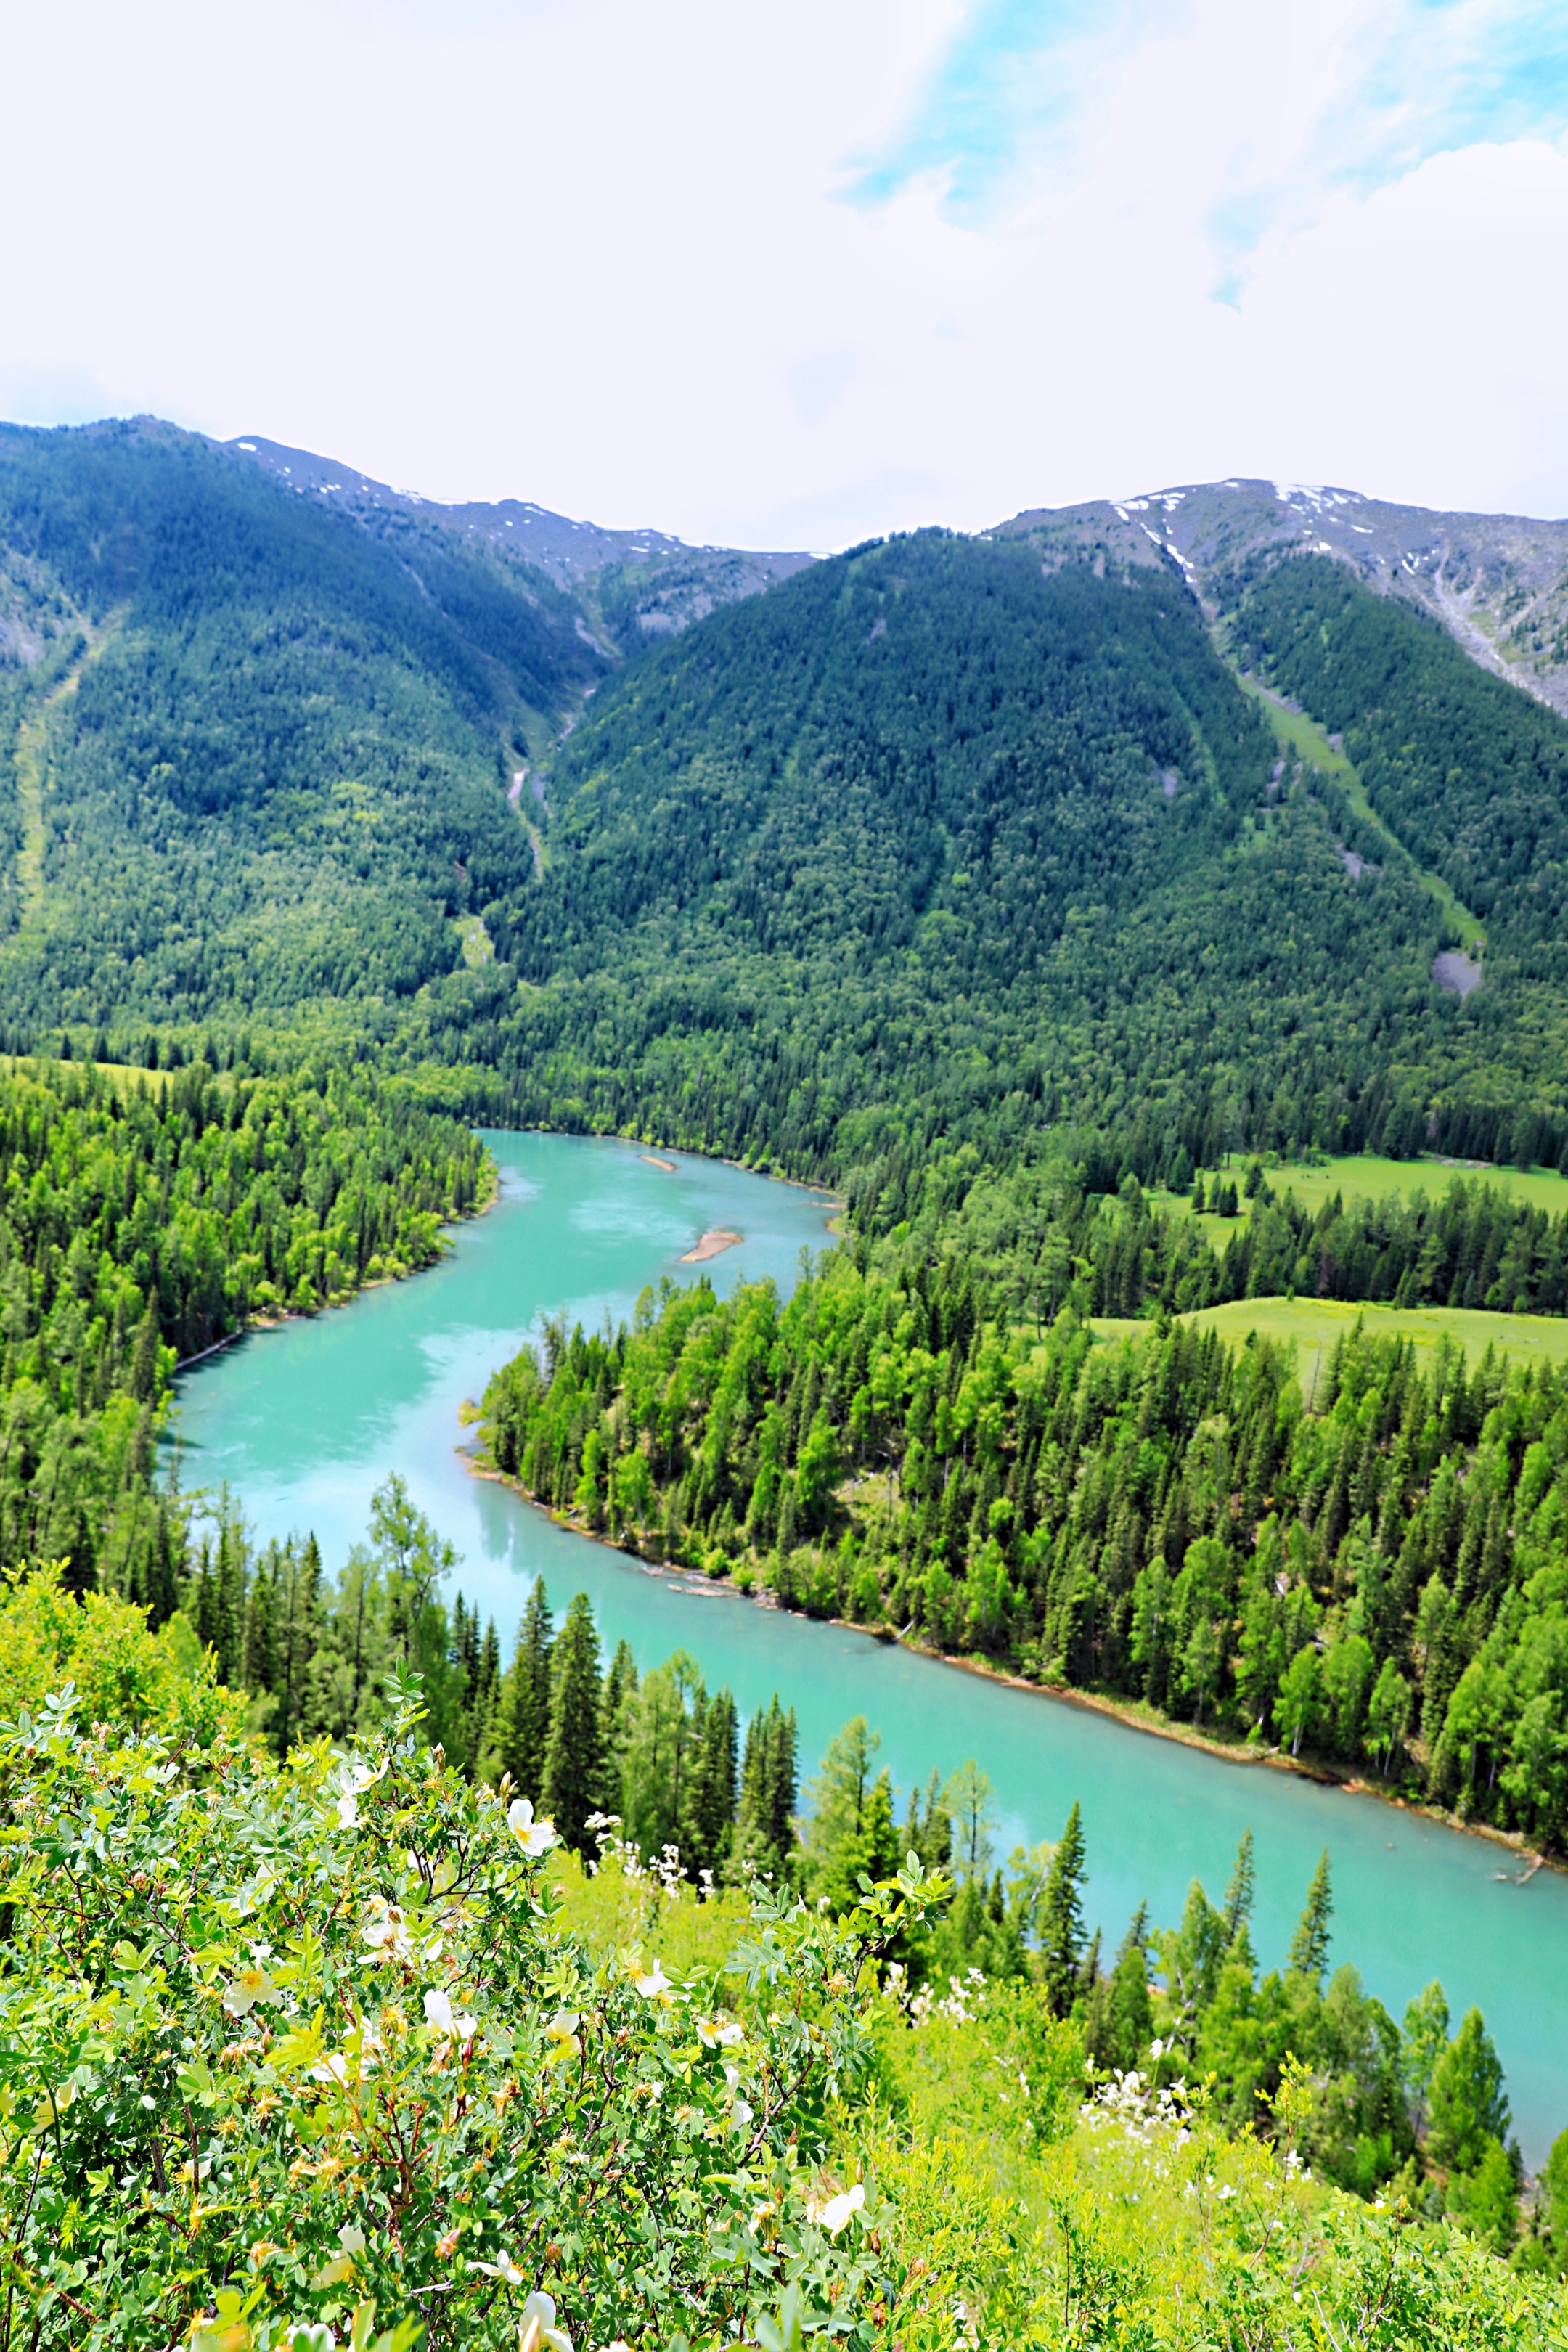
point(304, 1422)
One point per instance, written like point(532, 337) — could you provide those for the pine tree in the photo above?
point(1061, 1918)
point(930, 1833)
point(765, 1833)
point(620, 1689)
point(708, 1830)
point(1238, 1894)
point(525, 1704)
point(574, 1762)
point(1309, 1951)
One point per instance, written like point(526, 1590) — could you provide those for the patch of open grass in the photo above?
point(1313, 1325)
point(1364, 1177)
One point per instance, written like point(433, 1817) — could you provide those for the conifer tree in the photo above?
point(1309, 1951)
point(1061, 1918)
point(765, 1830)
point(1468, 2104)
point(620, 1689)
point(929, 1834)
point(525, 1707)
point(1238, 1895)
point(573, 1763)
point(707, 1831)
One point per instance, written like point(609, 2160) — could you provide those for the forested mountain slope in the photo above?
point(935, 843)
point(257, 744)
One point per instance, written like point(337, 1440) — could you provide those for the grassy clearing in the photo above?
point(1313, 1325)
point(1364, 1178)
point(1361, 1176)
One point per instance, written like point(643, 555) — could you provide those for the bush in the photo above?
point(293, 2047)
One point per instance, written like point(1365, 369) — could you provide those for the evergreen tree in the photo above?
point(929, 1832)
point(765, 1830)
point(573, 1764)
point(1469, 2105)
point(664, 1732)
point(1422, 2043)
point(968, 1801)
point(708, 1830)
point(616, 1699)
point(869, 1851)
point(837, 1795)
point(1061, 1918)
point(525, 1702)
point(1237, 1909)
point(1309, 1953)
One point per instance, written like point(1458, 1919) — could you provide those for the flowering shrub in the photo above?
point(288, 2053)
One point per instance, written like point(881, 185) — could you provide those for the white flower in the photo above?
point(438, 2014)
point(351, 2239)
point(838, 2209)
point(348, 1810)
point(535, 1837)
point(654, 1985)
point(503, 2268)
point(714, 2036)
point(250, 1986)
point(562, 2031)
point(737, 2114)
point(537, 2331)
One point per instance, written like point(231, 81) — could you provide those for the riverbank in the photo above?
point(485, 1199)
point(1132, 1714)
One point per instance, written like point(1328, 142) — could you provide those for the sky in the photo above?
point(792, 277)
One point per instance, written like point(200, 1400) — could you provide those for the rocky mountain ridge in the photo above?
point(1499, 583)
point(638, 584)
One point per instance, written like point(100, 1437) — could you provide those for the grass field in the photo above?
point(1313, 1325)
point(1359, 1176)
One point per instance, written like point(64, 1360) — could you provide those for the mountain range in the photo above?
point(1217, 810)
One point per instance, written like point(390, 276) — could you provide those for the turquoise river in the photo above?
point(303, 1422)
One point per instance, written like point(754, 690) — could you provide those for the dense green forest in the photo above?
point(924, 848)
point(144, 1220)
point(1469, 774)
point(878, 876)
point(1382, 1583)
point(262, 756)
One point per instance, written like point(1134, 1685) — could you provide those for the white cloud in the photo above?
point(614, 259)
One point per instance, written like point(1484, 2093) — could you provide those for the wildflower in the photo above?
point(737, 2114)
point(536, 2330)
point(504, 2269)
point(654, 1985)
point(250, 1986)
point(535, 1837)
point(837, 2211)
point(351, 2239)
point(715, 2036)
point(562, 2031)
point(348, 1810)
point(439, 2016)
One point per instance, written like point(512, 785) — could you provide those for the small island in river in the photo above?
point(717, 1239)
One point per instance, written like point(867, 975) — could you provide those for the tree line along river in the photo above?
point(304, 1422)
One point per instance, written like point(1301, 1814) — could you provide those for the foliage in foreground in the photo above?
point(279, 2044)
point(1142, 2225)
